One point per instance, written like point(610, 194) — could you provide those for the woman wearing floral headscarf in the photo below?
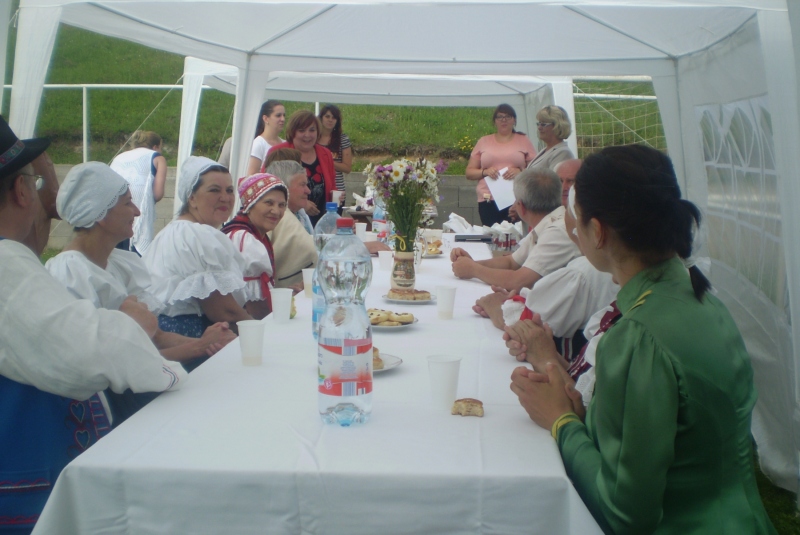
point(264, 198)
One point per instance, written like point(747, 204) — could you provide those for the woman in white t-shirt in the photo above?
point(505, 149)
point(270, 124)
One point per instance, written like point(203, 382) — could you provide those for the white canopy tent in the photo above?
point(724, 71)
point(527, 94)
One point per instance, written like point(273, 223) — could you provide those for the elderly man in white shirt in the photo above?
point(544, 250)
point(56, 351)
point(565, 299)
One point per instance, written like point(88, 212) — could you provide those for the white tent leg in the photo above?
point(781, 67)
point(190, 102)
point(562, 96)
point(249, 97)
point(5, 18)
point(36, 35)
point(666, 88)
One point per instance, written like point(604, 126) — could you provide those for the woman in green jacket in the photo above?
point(664, 445)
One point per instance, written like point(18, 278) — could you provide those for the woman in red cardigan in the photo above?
point(303, 133)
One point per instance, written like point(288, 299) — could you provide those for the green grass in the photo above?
point(780, 504)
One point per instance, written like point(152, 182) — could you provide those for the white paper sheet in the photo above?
point(502, 190)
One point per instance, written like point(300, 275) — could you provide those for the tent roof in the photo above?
point(579, 37)
point(397, 89)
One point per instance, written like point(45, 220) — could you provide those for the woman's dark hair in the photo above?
point(633, 190)
point(266, 109)
point(508, 110)
point(336, 134)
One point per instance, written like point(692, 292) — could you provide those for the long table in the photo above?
point(242, 449)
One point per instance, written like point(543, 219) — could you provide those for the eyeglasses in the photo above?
point(39, 182)
point(544, 125)
point(503, 118)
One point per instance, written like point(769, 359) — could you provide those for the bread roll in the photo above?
point(468, 407)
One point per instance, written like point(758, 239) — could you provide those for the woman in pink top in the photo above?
point(506, 148)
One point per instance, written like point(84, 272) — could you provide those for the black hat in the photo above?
point(15, 153)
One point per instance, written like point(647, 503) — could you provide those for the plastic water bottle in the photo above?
point(345, 333)
point(379, 223)
point(324, 231)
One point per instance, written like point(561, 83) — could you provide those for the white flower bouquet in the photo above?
point(407, 187)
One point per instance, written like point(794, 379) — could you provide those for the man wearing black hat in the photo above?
point(56, 351)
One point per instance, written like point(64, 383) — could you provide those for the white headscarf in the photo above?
point(191, 171)
point(89, 191)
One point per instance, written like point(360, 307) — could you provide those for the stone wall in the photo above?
point(458, 193)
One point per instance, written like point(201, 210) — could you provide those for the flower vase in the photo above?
point(403, 273)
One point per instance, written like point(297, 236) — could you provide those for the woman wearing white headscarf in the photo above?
point(196, 271)
point(98, 203)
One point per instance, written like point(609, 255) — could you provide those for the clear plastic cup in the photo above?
point(443, 373)
point(308, 282)
point(281, 304)
point(445, 301)
point(251, 341)
point(386, 259)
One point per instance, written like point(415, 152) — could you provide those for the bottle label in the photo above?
point(345, 366)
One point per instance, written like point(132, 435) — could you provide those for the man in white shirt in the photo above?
point(56, 352)
point(545, 249)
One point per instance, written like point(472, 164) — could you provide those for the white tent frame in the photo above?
point(527, 94)
point(698, 52)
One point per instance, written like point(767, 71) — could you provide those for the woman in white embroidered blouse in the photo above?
point(98, 203)
point(196, 271)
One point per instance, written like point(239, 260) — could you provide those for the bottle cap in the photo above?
point(345, 222)
point(331, 206)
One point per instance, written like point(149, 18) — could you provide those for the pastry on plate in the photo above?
point(377, 316)
point(403, 318)
point(389, 323)
point(434, 247)
point(467, 407)
point(377, 362)
point(409, 295)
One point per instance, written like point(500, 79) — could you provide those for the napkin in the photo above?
point(514, 230)
point(362, 204)
point(459, 225)
point(505, 236)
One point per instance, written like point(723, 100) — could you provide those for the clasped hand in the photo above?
point(531, 340)
point(546, 396)
point(462, 263)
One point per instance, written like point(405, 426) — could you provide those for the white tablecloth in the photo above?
point(243, 450)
